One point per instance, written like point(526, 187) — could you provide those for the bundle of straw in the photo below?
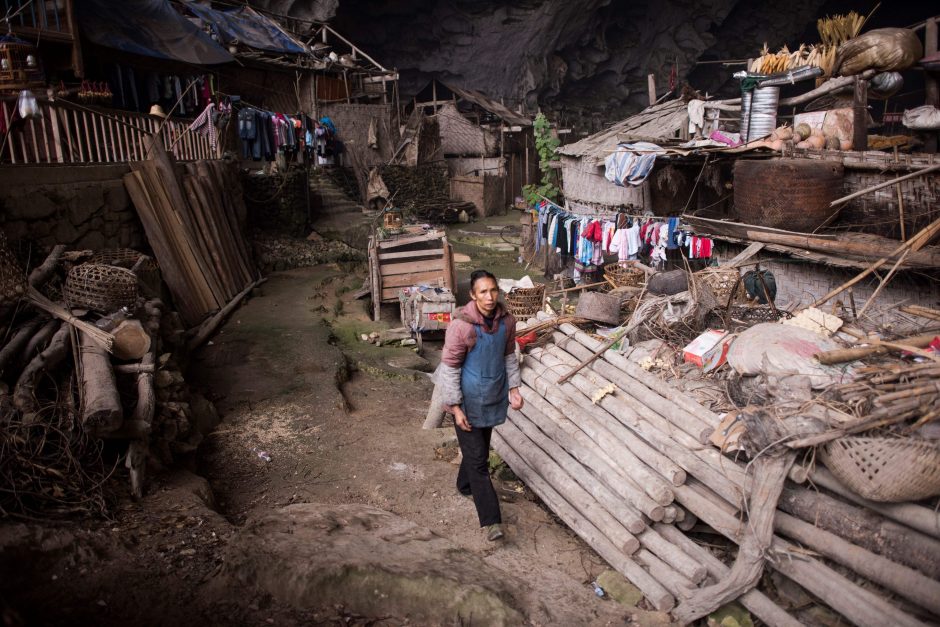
point(105, 339)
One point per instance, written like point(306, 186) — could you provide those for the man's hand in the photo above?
point(515, 399)
point(460, 418)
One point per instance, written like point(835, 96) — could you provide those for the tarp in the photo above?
point(151, 28)
point(246, 26)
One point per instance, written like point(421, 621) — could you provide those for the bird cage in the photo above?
point(392, 219)
point(20, 65)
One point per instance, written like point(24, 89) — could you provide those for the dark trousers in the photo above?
point(474, 474)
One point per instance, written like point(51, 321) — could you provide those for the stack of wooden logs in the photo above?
point(192, 225)
point(624, 460)
point(424, 191)
point(62, 389)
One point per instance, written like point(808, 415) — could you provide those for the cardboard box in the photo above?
point(709, 350)
point(718, 356)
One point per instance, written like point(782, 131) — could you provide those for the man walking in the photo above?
point(479, 379)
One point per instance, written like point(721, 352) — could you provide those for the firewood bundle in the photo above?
point(624, 459)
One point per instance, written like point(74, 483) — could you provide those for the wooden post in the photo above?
point(930, 82)
point(651, 85)
point(860, 115)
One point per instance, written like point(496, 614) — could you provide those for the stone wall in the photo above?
point(80, 206)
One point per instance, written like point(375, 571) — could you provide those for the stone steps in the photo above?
point(333, 200)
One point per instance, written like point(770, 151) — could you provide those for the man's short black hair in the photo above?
point(476, 275)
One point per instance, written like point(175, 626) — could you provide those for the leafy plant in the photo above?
point(545, 144)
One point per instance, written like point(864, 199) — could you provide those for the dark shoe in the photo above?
point(466, 494)
point(494, 532)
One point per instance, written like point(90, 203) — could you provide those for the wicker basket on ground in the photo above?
point(525, 302)
point(100, 287)
point(885, 469)
point(624, 274)
point(722, 281)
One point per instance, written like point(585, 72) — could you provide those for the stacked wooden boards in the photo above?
point(621, 457)
point(414, 257)
point(191, 222)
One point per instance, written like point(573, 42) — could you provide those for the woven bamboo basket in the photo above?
point(121, 257)
point(758, 313)
point(100, 287)
point(12, 276)
point(624, 274)
point(887, 470)
point(722, 281)
point(525, 302)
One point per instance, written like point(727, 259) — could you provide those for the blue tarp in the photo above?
point(246, 26)
point(152, 28)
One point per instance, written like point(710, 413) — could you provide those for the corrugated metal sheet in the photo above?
point(656, 124)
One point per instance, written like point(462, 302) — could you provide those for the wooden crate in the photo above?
point(412, 258)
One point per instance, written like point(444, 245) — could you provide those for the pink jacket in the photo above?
point(461, 335)
point(460, 339)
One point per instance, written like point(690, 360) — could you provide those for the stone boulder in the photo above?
point(371, 562)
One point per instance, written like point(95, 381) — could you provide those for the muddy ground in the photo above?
point(310, 415)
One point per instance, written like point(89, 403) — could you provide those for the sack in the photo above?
point(925, 118)
point(882, 49)
point(27, 106)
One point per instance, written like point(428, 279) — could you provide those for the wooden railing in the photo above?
point(67, 133)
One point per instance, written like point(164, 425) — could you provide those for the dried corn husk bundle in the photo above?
point(822, 57)
point(835, 30)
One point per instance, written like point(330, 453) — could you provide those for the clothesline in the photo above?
point(588, 239)
point(604, 213)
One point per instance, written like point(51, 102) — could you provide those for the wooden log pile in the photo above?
point(63, 390)
point(623, 459)
point(424, 192)
point(192, 225)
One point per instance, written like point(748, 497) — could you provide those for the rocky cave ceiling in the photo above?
point(587, 56)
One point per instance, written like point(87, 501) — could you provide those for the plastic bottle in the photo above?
point(263, 455)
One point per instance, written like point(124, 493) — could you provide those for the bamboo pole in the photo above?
point(917, 517)
point(651, 589)
point(585, 450)
point(857, 604)
point(894, 181)
point(917, 242)
point(603, 430)
point(566, 485)
point(596, 487)
point(753, 600)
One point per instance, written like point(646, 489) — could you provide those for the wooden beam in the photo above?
point(931, 84)
point(860, 115)
point(651, 87)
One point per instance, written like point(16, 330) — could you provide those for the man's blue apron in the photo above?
point(483, 379)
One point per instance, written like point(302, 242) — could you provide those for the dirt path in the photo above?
point(339, 426)
point(276, 370)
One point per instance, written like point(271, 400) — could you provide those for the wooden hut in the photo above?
point(582, 163)
point(488, 149)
